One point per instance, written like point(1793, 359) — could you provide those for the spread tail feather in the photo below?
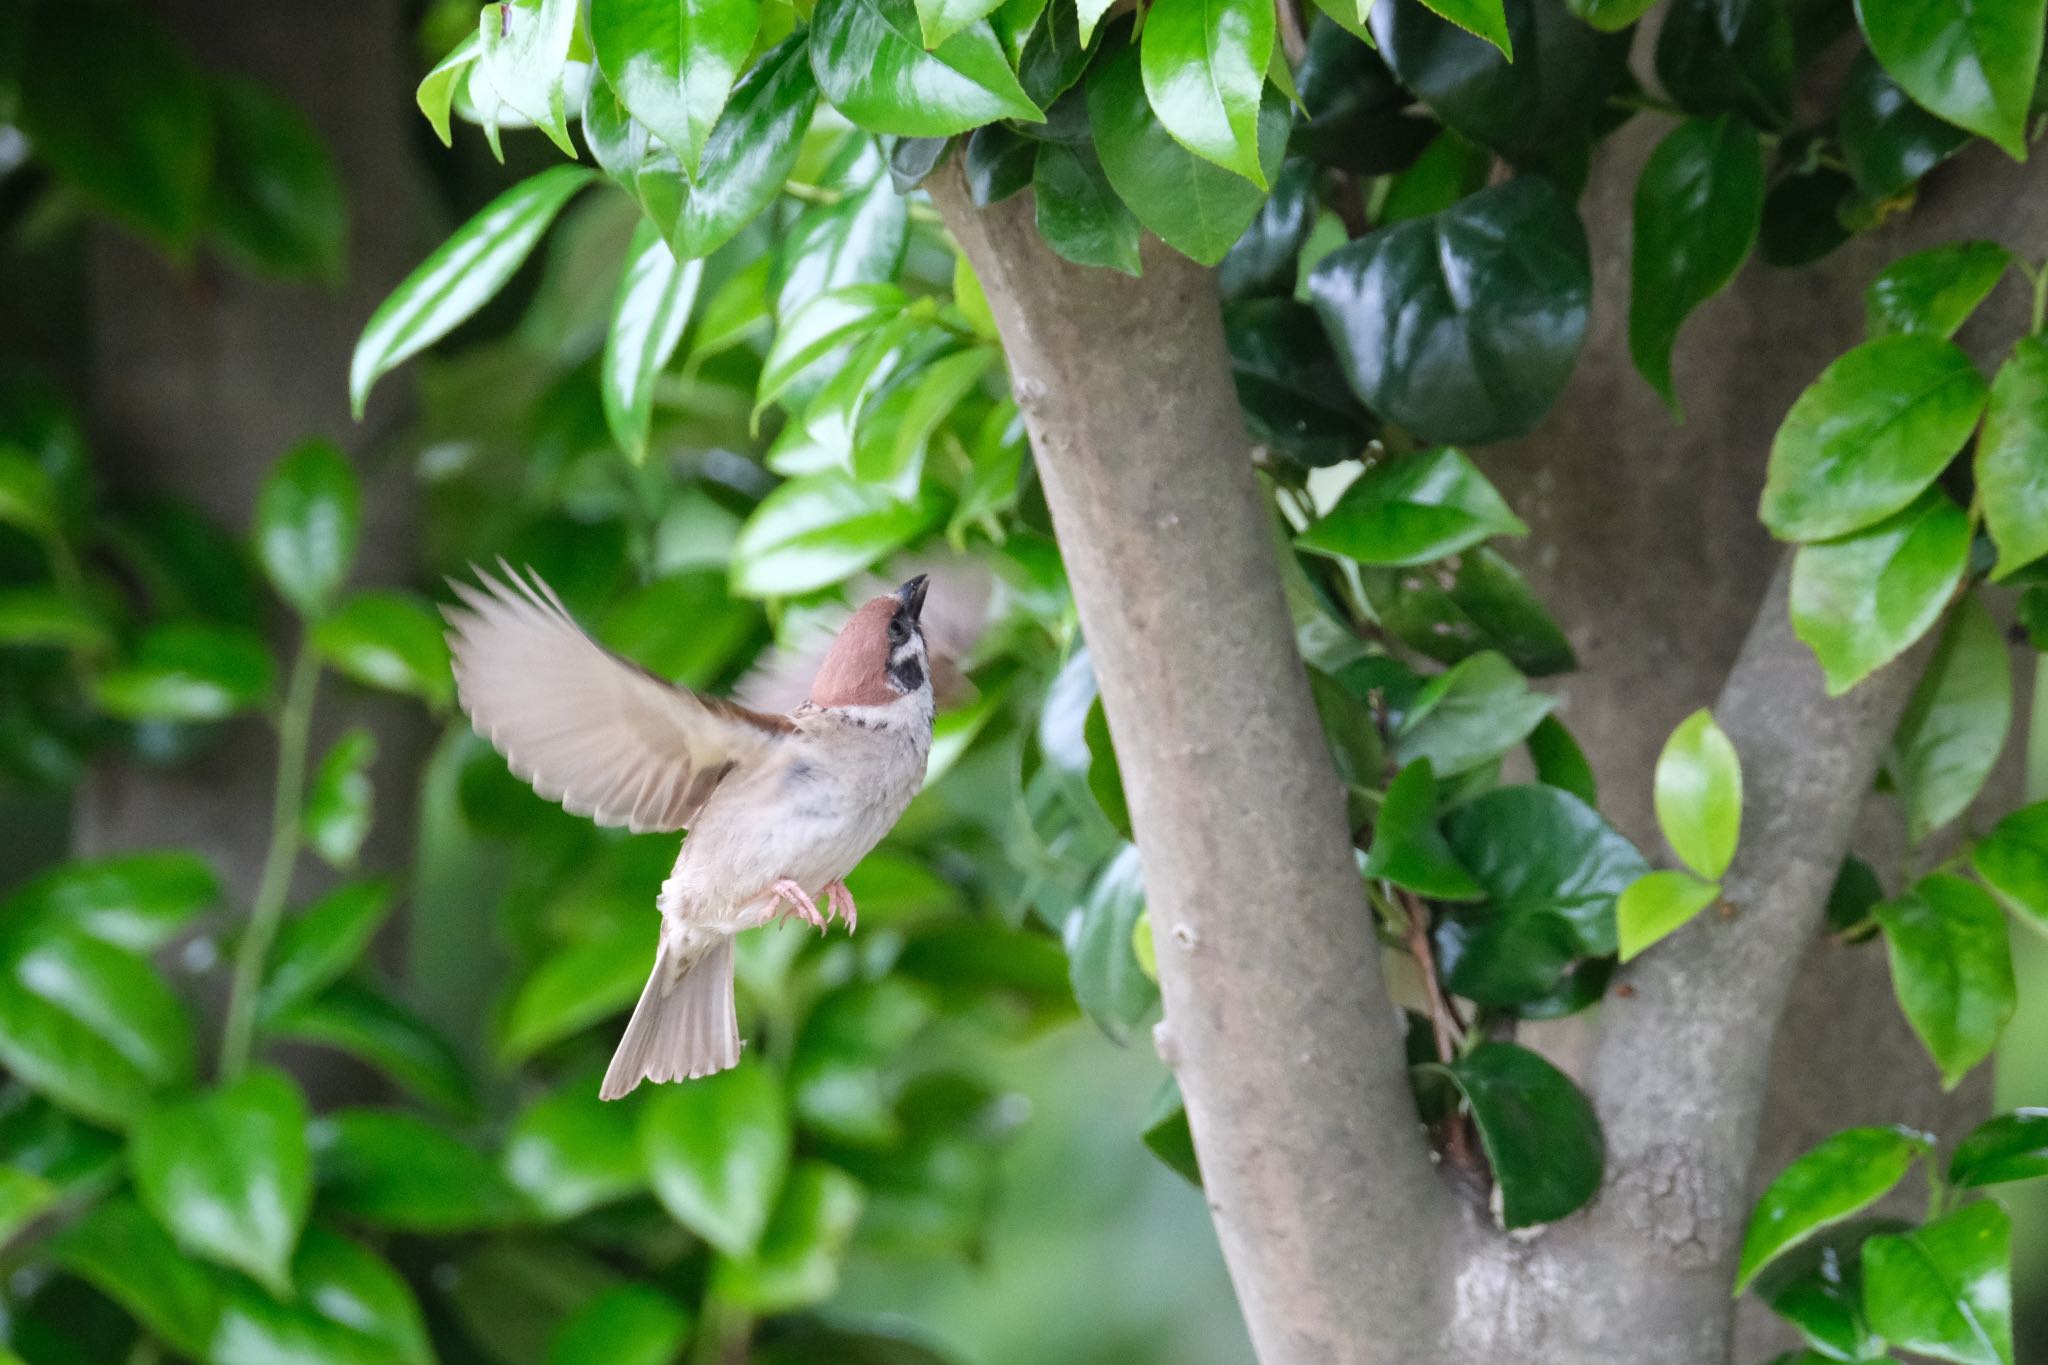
point(683, 1027)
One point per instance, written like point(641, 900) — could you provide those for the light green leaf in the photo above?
point(1951, 962)
point(356, 1019)
point(1204, 66)
point(1955, 726)
point(1934, 291)
point(337, 814)
point(826, 321)
point(1860, 601)
point(121, 1251)
point(396, 1171)
point(673, 62)
point(320, 944)
point(1699, 794)
point(938, 20)
point(2013, 861)
point(575, 987)
point(653, 306)
point(716, 1150)
point(188, 671)
point(138, 901)
point(571, 1152)
point(308, 517)
point(1945, 1290)
point(2012, 458)
point(436, 95)
point(2005, 1148)
point(91, 1026)
point(870, 61)
point(1412, 509)
point(797, 1264)
point(352, 1308)
point(525, 53)
point(1973, 62)
point(814, 531)
point(388, 640)
point(1656, 905)
point(1844, 1175)
point(1108, 982)
point(629, 1325)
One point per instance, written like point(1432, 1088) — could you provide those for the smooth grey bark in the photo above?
point(1334, 1225)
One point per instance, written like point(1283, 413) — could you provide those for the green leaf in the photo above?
point(352, 1309)
point(1054, 56)
point(1560, 762)
point(1408, 849)
point(836, 1083)
point(816, 530)
point(1079, 215)
point(138, 901)
point(1469, 715)
point(1166, 1134)
point(1610, 16)
point(673, 62)
point(28, 495)
point(1844, 1175)
point(717, 1150)
point(821, 325)
point(629, 1325)
point(1699, 794)
point(388, 640)
point(1108, 983)
point(1889, 142)
point(938, 20)
point(187, 671)
point(1955, 726)
point(1803, 216)
point(319, 945)
point(111, 101)
point(575, 987)
point(871, 63)
point(524, 53)
point(91, 1026)
point(2012, 458)
point(1091, 13)
point(1412, 509)
point(2013, 861)
point(1292, 390)
point(653, 306)
point(998, 162)
point(437, 89)
point(797, 1263)
point(1934, 291)
point(396, 1171)
point(308, 517)
point(1540, 1133)
point(1485, 604)
point(276, 201)
point(1853, 899)
point(1860, 601)
point(1658, 904)
point(460, 277)
point(1194, 205)
point(1869, 436)
point(1729, 57)
point(1818, 1287)
point(122, 1252)
point(377, 1031)
point(1482, 18)
point(1204, 68)
point(337, 815)
point(2005, 1148)
point(24, 1197)
point(1974, 64)
point(1462, 326)
point(1698, 206)
point(1951, 969)
point(228, 1173)
point(1945, 1290)
point(45, 616)
point(570, 1152)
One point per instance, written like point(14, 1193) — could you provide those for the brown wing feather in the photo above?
point(594, 731)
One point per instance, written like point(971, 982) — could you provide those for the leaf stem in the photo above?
point(293, 727)
point(2040, 278)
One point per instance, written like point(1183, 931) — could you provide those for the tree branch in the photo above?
point(1335, 1227)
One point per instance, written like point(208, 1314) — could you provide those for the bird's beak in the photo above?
point(911, 594)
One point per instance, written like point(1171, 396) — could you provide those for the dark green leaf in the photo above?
point(1079, 215)
point(1888, 141)
point(1698, 794)
point(1264, 261)
point(630, 1325)
point(1803, 216)
point(575, 987)
point(2012, 458)
point(321, 943)
point(2013, 861)
point(1945, 1289)
point(460, 277)
point(653, 305)
point(354, 1018)
point(1054, 56)
point(1974, 64)
point(186, 671)
point(352, 1309)
point(1860, 601)
point(119, 1250)
point(1465, 325)
point(1408, 849)
point(1412, 509)
point(1951, 962)
point(338, 803)
point(228, 1173)
point(816, 530)
point(388, 640)
point(1854, 898)
point(1729, 57)
point(308, 517)
point(396, 1171)
point(672, 62)
point(1204, 67)
point(1934, 291)
point(836, 1083)
point(1844, 1175)
point(1540, 1134)
point(91, 1026)
point(1352, 108)
point(2009, 1147)
point(1697, 209)
point(1818, 1287)
point(1469, 715)
point(870, 61)
point(1955, 726)
point(1485, 605)
point(1108, 982)
point(998, 162)
point(1560, 762)
point(1292, 390)
point(1658, 904)
point(570, 1152)
point(276, 204)
point(797, 1263)
point(716, 1150)
point(139, 901)
point(1166, 1133)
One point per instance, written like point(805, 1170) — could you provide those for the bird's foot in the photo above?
point(839, 901)
point(798, 902)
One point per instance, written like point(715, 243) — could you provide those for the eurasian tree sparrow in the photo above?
point(779, 808)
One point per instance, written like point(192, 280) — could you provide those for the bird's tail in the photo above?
point(684, 1026)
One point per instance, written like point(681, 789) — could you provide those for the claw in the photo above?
point(840, 902)
point(798, 903)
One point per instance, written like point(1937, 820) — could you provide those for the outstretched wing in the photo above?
point(587, 728)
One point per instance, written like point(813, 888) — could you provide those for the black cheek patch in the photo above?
point(907, 674)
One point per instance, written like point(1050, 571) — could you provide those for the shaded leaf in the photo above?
point(187, 671)
point(1469, 715)
point(1955, 726)
point(2013, 861)
point(337, 813)
point(1407, 848)
point(396, 1171)
point(1541, 1136)
point(1951, 963)
point(1842, 1176)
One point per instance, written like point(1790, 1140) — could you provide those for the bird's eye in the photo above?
point(898, 631)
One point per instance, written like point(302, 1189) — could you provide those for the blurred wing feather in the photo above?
point(587, 728)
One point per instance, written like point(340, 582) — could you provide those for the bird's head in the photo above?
point(879, 656)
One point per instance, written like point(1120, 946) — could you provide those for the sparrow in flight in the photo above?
point(779, 807)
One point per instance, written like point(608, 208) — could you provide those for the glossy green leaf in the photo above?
point(1803, 216)
point(1408, 849)
point(1560, 762)
point(998, 162)
point(1482, 18)
point(825, 322)
point(228, 1173)
point(570, 1152)
point(894, 438)
point(1934, 291)
point(275, 204)
point(870, 61)
point(337, 812)
point(2013, 861)
point(2012, 458)
point(308, 517)
point(356, 1019)
point(1204, 68)
point(352, 1309)
point(388, 640)
point(673, 62)
point(2005, 1148)
point(1108, 983)
point(1485, 604)
point(1698, 794)
point(524, 54)
point(461, 276)
point(1054, 56)
point(1265, 261)
point(1698, 206)
point(575, 987)
point(653, 306)
point(1951, 960)
point(122, 1252)
point(438, 88)
point(317, 946)
point(1955, 726)
point(1463, 326)
point(1540, 1133)
point(1889, 142)
point(1412, 509)
point(717, 1150)
point(1945, 1289)
point(1469, 715)
point(187, 671)
point(939, 20)
point(1079, 215)
point(1861, 601)
point(630, 1325)
point(1973, 62)
point(1818, 1288)
point(91, 1026)
point(1842, 1176)
point(1195, 206)
point(1658, 904)
point(797, 1262)
point(1290, 386)
point(1869, 435)
point(138, 901)
point(396, 1171)
point(1729, 57)
point(818, 529)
